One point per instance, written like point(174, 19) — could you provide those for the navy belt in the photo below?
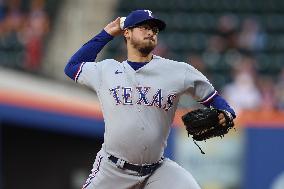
point(140, 169)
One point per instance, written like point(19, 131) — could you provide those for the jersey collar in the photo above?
point(126, 65)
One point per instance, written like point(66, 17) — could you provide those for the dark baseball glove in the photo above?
point(204, 124)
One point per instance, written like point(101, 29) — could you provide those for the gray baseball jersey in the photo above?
point(139, 106)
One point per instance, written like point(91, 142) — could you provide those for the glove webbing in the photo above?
point(212, 133)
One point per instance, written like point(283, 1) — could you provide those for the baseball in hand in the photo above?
point(122, 19)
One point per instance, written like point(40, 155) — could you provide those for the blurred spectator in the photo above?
point(216, 44)
point(243, 93)
point(279, 90)
point(161, 49)
point(36, 29)
point(227, 28)
point(266, 87)
point(11, 46)
point(2, 10)
point(251, 38)
point(22, 35)
point(223, 42)
point(196, 61)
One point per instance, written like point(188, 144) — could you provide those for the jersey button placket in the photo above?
point(137, 84)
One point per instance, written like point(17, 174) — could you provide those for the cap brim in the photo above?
point(159, 23)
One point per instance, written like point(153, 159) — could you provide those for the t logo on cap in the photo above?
point(149, 12)
point(141, 16)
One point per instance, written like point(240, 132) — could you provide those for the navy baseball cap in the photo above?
point(140, 16)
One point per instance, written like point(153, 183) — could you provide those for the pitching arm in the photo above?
point(87, 53)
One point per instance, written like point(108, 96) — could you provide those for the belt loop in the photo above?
point(141, 170)
point(120, 163)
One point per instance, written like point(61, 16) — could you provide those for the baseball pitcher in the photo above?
point(139, 97)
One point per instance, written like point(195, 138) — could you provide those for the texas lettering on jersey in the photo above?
point(156, 100)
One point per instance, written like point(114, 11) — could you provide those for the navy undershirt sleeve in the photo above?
point(220, 103)
point(87, 53)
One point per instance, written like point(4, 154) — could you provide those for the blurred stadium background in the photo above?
point(51, 129)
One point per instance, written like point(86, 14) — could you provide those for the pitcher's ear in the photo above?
point(126, 33)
